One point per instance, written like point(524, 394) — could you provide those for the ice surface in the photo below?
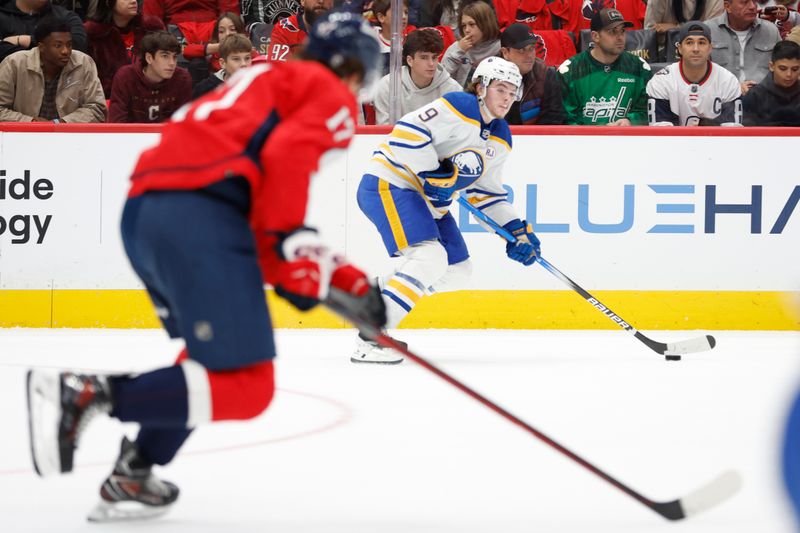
point(357, 449)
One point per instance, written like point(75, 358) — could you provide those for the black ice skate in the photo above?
point(132, 492)
point(368, 351)
point(59, 408)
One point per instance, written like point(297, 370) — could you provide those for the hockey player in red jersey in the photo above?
point(289, 33)
point(214, 209)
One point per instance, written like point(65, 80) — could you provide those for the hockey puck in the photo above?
point(672, 357)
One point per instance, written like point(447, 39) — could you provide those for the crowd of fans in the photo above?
point(597, 62)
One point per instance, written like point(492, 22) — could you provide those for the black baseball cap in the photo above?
point(517, 35)
point(608, 18)
point(693, 27)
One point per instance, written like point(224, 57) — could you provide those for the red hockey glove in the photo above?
point(310, 270)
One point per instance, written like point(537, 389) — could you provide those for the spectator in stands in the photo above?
point(153, 88)
point(290, 32)
point(192, 22)
point(227, 24)
point(234, 54)
point(19, 18)
point(694, 91)
point(775, 101)
point(480, 38)
point(743, 42)
point(423, 78)
point(52, 82)
point(440, 13)
point(115, 37)
point(794, 35)
point(541, 92)
point(382, 11)
point(605, 84)
point(663, 15)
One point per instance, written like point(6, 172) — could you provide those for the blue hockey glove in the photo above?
point(440, 183)
point(527, 247)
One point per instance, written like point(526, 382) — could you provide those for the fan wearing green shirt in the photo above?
point(605, 85)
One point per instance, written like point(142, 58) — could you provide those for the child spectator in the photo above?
point(192, 21)
point(150, 91)
point(227, 24)
point(776, 100)
point(115, 37)
point(480, 38)
point(423, 77)
point(234, 53)
point(52, 82)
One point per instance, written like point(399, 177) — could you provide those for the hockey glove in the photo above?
point(527, 247)
point(440, 183)
point(309, 269)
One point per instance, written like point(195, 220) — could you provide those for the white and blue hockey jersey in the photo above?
point(449, 127)
point(714, 100)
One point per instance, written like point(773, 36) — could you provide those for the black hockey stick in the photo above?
point(674, 349)
point(716, 491)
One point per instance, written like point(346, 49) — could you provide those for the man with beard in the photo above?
point(605, 84)
point(290, 32)
point(52, 82)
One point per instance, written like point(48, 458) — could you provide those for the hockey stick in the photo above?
point(674, 349)
point(716, 491)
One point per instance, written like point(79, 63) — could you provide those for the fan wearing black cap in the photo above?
point(694, 91)
point(605, 85)
point(541, 92)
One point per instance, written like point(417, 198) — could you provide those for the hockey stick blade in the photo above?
point(708, 496)
point(699, 344)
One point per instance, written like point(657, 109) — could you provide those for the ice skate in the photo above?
point(368, 351)
point(132, 492)
point(59, 408)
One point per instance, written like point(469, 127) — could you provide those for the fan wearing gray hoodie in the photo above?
point(480, 38)
point(423, 79)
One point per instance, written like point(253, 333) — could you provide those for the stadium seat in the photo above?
point(643, 43)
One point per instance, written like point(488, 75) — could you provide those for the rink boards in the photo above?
point(671, 228)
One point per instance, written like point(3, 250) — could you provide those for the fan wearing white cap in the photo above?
point(457, 144)
point(694, 91)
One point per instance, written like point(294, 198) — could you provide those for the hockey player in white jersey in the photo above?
point(694, 91)
point(456, 144)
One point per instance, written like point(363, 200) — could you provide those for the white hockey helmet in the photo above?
point(497, 68)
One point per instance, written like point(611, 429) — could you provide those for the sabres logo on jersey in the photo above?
point(288, 25)
point(470, 167)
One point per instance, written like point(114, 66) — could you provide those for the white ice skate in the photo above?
point(371, 352)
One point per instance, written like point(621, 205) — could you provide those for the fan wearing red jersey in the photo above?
point(289, 33)
point(213, 211)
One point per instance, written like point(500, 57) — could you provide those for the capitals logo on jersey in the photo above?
point(590, 7)
point(470, 167)
point(288, 25)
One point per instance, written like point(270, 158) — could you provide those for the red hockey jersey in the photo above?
point(178, 11)
point(577, 14)
point(287, 34)
point(270, 123)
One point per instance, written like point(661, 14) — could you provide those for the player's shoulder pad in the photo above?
point(563, 68)
point(463, 104)
point(500, 130)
